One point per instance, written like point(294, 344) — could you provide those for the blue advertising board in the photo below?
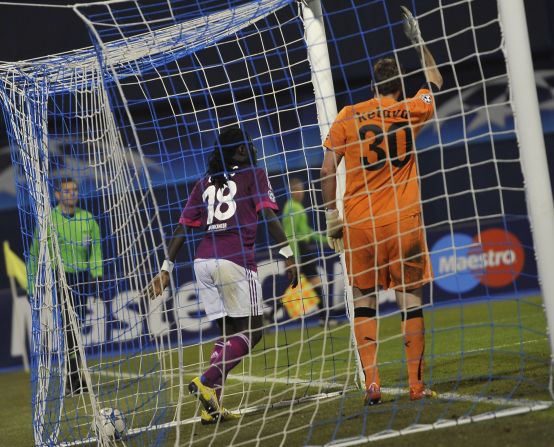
point(496, 262)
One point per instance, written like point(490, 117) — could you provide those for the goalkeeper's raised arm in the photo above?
point(384, 239)
point(412, 31)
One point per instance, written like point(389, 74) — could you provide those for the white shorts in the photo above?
point(226, 288)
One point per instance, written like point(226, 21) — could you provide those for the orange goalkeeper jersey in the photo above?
point(376, 138)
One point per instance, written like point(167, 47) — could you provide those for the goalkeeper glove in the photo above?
point(334, 230)
point(411, 27)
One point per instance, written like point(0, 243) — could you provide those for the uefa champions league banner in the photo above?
point(498, 263)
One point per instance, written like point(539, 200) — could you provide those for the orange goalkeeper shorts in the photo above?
point(390, 256)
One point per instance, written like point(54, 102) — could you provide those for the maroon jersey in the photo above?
point(229, 215)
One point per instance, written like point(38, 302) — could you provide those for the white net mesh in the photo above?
point(131, 122)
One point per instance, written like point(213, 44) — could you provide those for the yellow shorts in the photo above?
point(391, 256)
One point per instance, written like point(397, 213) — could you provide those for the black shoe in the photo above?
point(80, 388)
point(75, 385)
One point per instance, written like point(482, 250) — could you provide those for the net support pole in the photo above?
point(322, 81)
point(532, 148)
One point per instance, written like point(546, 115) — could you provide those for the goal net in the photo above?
point(126, 127)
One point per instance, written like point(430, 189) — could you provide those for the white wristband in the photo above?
point(286, 251)
point(168, 266)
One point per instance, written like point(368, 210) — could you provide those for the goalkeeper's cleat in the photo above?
point(421, 392)
point(372, 395)
point(207, 397)
point(224, 416)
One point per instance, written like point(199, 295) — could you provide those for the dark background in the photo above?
point(31, 32)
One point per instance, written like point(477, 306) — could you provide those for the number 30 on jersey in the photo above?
point(377, 147)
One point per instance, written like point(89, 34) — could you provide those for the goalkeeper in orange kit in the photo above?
point(382, 233)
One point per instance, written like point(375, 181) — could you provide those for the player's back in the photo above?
point(228, 215)
point(376, 137)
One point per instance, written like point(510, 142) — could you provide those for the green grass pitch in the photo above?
point(480, 358)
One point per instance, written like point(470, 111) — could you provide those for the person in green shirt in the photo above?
point(79, 244)
point(301, 235)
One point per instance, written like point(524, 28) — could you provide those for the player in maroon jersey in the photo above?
point(225, 204)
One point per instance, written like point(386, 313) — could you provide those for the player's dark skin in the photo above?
point(244, 156)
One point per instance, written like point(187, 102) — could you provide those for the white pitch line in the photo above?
point(395, 391)
point(442, 423)
point(517, 405)
point(494, 348)
point(472, 351)
point(195, 419)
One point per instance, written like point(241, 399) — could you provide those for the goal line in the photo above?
point(516, 407)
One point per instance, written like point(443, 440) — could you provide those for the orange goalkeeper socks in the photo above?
point(365, 329)
point(413, 329)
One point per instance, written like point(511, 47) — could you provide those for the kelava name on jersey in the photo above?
point(382, 114)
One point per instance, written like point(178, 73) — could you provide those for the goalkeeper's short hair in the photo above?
point(386, 76)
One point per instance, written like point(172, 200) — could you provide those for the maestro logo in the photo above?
point(461, 262)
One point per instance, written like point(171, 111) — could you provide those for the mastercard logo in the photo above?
point(494, 258)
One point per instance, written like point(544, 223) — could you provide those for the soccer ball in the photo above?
point(110, 423)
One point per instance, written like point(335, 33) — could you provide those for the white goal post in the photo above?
point(322, 79)
point(531, 145)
